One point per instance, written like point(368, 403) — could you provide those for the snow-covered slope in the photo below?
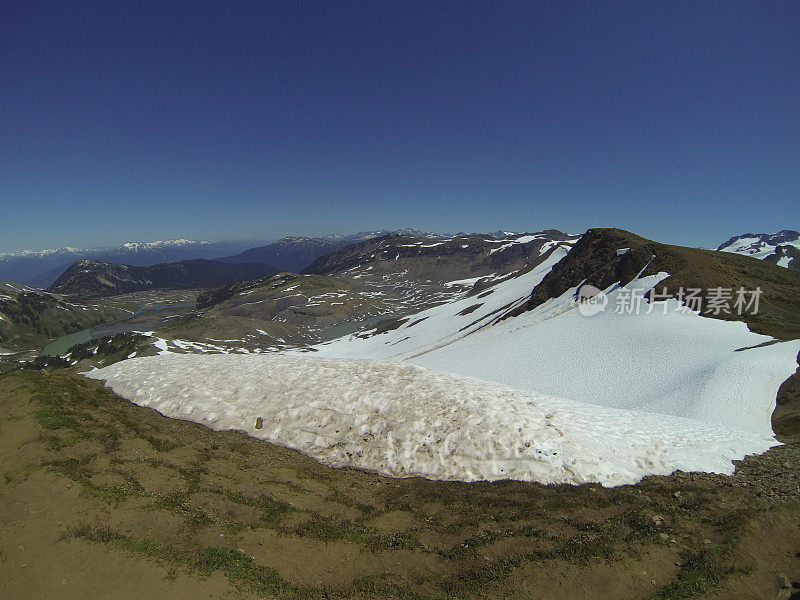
point(443, 324)
point(764, 245)
point(439, 259)
point(670, 361)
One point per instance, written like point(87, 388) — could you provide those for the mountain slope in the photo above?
point(597, 260)
point(606, 399)
point(779, 248)
point(498, 385)
point(278, 311)
point(440, 325)
point(30, 317)
point(92, 278)
point(785, 255)
point(424, 258)
point(542, 343)
point(291, 254)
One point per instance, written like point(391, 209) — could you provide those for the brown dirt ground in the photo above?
point(104, 499)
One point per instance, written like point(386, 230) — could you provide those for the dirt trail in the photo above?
point(104, 499)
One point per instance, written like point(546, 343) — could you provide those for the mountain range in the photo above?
point(295, 253)
point(506, 309)
point(42, 267)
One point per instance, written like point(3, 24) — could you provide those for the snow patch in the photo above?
point(467, 282)
point(401, 420)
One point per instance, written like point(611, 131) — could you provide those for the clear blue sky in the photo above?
point(139, 121)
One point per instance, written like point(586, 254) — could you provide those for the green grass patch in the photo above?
point(702, 570)
point(237, 567)
point(20, 473)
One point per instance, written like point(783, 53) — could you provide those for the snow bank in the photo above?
point(401, 420)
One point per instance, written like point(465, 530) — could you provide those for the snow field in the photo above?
point(401, 420)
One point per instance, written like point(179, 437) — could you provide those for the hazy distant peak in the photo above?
point(137, 246)
point(47, 252)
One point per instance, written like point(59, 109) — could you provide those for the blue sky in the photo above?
point(144, 121)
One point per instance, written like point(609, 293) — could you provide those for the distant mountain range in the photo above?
point(42, 267)
point(295, 253)
point(780, 248)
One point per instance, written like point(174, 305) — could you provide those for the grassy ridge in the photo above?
point(594, 259)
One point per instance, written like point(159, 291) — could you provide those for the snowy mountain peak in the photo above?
point(765, 246)
point(43, 253)
point(126, 247)
point(139, 246)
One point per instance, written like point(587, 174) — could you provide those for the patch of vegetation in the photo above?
point(110, 349)
point(384, 326)
point(272, 508)
point(181, 322)
point(231, 562)
point(381, 586)
point(193, 517)
point(103, 351)
point(702, 570)
point(20, 473)
point(333, 530)
point(417, 322)
point(77, 471)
